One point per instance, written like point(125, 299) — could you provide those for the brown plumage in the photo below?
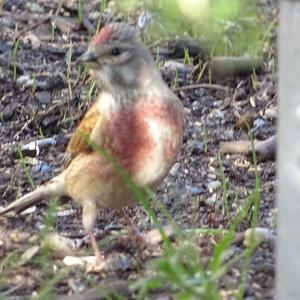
point(136, 118)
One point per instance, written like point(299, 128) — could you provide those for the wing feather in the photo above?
point(77, 144)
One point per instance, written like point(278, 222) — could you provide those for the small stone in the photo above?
point(18, 236)
point(173, 65)
point(212, 159)
point(34, 7)
point(195, 190)
point(212, 176)
point(245, 120)
point(258, 123)
point(119, 262)
point(7, 112)
point(144, 20)
point(271, 113)
point(46, 142)
point(30, 149)
point(154, 237)
point(213, 185)
point(79, 261)
point(174, 169)
point(198, 148)
point(212, 169)
point(211, 200)
point(66, 213)
point(43, 97)
point(4, 47)
point(28, 255)
point(258, 235)
point(60, 245)
point(72, 261)
point(66, 25)
point(252, 102)
point(34, 239)
point(94, 15)
point(23, 79)
point(76, 286)
point(29, 210)
point(45, 168)
point(230, 282)
point(32, 39)
point(32, 161)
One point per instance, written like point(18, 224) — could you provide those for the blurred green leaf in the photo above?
point(231, 27)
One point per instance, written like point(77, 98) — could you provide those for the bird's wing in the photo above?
point(77, 143)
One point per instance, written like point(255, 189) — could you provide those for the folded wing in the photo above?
point(77, 143)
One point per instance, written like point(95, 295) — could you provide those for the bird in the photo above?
point(136, 118)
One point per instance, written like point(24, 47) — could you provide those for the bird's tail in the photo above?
point(55, 187)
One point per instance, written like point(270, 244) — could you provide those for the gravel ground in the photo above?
point(39, 105)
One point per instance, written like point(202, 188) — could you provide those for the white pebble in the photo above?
point(212, 176)
point(174, 169)
point(252, 102)
point(258, 235)
point(79, 261)
point(271, 113)
point(211, 200)
point(212, 185)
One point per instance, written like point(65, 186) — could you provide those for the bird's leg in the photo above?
point(135, 235)
point(98, 254)
point(89, 216)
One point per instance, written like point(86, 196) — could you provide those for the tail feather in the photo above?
point(55, 187)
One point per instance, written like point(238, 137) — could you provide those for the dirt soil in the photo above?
point(48, 99)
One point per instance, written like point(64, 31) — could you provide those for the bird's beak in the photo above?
point(87, 57)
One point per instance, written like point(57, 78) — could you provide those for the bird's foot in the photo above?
point(98, 254)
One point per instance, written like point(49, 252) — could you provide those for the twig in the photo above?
point(203, 86)
point(265, 149)
point(13, 289)
point(23, 127)
point(34, 25)
point(233, 98)
point(44, 114)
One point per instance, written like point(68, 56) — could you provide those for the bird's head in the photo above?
point(118, 59)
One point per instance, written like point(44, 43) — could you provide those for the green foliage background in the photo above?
point(229, 27)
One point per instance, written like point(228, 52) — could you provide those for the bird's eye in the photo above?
point(116, 51)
